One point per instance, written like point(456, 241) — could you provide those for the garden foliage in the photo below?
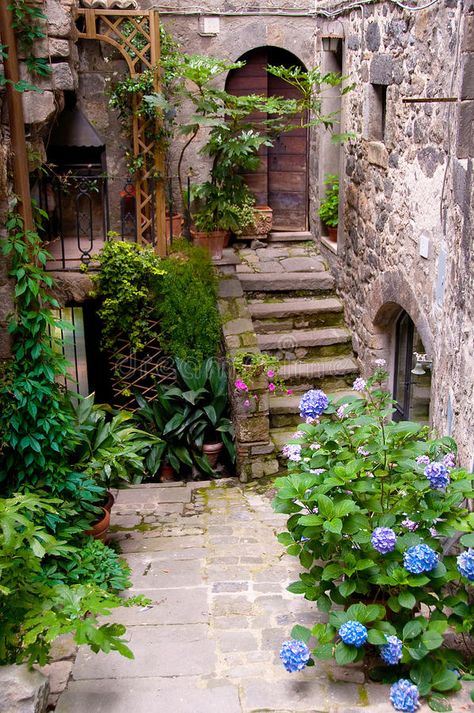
point(378, 519)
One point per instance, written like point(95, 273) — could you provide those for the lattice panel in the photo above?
point(136, 34)
point(140, 372)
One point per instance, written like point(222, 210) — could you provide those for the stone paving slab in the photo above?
point(208, 641)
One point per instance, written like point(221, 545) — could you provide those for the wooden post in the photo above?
point(159, 157)
point(16, 120)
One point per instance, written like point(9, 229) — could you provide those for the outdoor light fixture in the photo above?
point(330, 44)
point(422, 360)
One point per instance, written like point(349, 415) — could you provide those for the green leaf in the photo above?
point(437, 703)
point(347, 588)
point(407, 600)
point(468, 540)
point(331, 571)
point(324, 651)
point(412, 629)
point(345, 654)
point(445, 680)
point(323, 603)
point(297, 587)
point(300, 633)
point(432, 640)
point(376, 637)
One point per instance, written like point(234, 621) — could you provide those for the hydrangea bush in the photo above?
point(378, 519)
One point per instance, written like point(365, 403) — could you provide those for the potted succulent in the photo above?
point(329, 206)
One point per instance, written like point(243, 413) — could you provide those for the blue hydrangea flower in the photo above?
point(420, 558)
point(465, 563)
point(383, 540)
point(404, 696)
point(353, 633)
point(391, 652)
point(313, 403)
point(438, 475)
point(294, 655)
point(292, 451)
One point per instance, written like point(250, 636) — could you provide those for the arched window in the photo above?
point(411, 375)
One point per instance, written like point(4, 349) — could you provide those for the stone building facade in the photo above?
point(405, 240)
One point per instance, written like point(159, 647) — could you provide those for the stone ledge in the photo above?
point(23, 691)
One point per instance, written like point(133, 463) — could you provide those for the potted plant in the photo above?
point(329, 207)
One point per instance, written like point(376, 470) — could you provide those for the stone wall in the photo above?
point(412, 193)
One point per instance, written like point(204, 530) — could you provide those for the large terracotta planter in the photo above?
point(332, 234)
point(100, 529)
point(262, 222)
point(109, 503)
point(213, 242)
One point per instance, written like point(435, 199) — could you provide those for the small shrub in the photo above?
point(329, 207)
point(189, 321)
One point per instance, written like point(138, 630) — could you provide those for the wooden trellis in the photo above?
point(140, 372)
point(136, 35)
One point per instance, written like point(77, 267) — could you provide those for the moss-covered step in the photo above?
point(329, 374)
point(285, 410)
point(281, 282)
point(296, 313)
point(305, 344)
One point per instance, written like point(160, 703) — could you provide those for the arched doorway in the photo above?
point(281, 180)
point(411, 375)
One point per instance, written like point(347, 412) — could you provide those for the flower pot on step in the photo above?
point(100, 528)
point(109, 502)
point(332, 234)
point(261, 225)
point(213, 241)
point(212, 451)
point(166, 473)
point(174, 225)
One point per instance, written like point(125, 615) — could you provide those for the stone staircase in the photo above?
point(298, 318)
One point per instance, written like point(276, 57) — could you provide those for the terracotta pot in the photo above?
point(332, 234)
point(166, 473)
point(109, 503)
point(100, 529)
point(212, 451)
point(262, 222)
point(174, 222)
point(213, 241)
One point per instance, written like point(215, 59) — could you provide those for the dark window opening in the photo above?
point(377, 112)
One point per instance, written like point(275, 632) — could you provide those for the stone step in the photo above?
point(291, 341)
point(285, 410)
point(287, 282)
point(332, 373)
point(289, 237)
point(299, 313)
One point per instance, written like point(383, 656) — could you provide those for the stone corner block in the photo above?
point(38, 108)
point(63, 78)
point(60, 23)
point(377, 154)
point(23, 691)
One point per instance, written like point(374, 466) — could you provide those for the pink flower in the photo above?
point(271, 387)
point(289, 391)
point(270, 374)
point(246, 403)
point(241, 385)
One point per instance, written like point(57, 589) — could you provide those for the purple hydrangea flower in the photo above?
point(380, 362)
point(465, 564)
point(449, 460)
point(340, 413)
point(391, 652)
point(404, 696)
point(292, 451)
point(359, 384)
point(317, 471)
point(362, 451)
point(294, 655)
point(313, 403)
point(437, 474)
point(420, 558)
point(383, 540)
point(315, 446)
point(353, 633)
point(409, 524)
point(423, 460)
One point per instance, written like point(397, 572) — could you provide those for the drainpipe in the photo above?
point(21, 182)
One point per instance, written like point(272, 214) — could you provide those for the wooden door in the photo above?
point(281, 180)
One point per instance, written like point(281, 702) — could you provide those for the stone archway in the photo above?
point(281, 180)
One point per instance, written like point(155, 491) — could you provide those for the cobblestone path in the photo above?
point(207, 557)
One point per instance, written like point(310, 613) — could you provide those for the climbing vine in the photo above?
point(28, 23)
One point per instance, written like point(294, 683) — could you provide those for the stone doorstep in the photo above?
point(287, 281)
point(294, 306)
point(290, 237)
point(325, 336)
